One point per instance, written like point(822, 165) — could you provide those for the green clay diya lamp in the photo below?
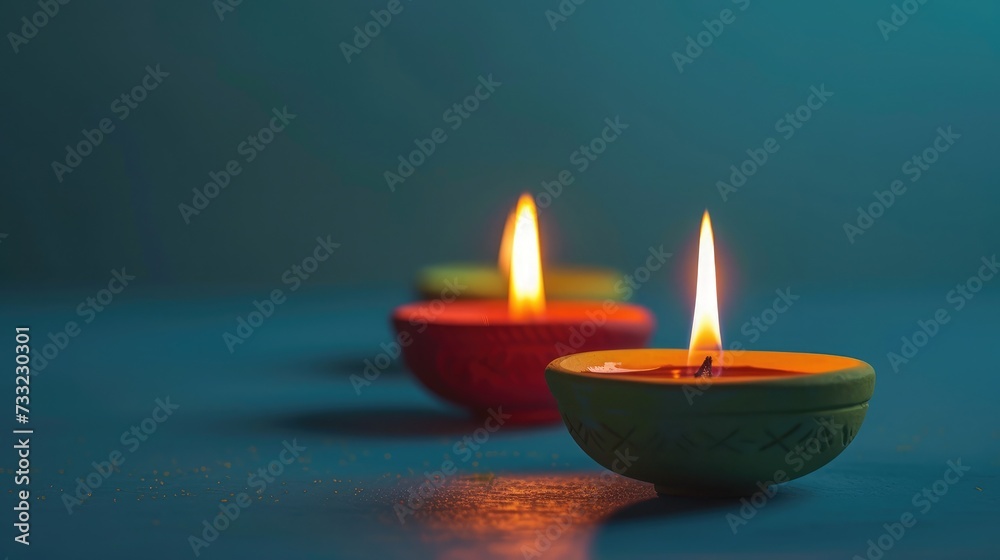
point(672, 418)
point(485, 281)
point(482, 281)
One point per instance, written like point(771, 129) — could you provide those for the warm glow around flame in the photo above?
point(706, 337)
point(506, 244)
point(527, 292)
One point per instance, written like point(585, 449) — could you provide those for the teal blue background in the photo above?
point(291, 379)
point(324, 174)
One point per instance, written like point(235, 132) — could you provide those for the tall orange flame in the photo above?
point(706, 337)
point(527, 291)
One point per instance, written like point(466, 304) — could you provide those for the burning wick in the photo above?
point(706, 337)
point(706, 368)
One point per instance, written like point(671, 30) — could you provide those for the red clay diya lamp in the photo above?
point(491, 354)
point(483, 281)
point(703, 422)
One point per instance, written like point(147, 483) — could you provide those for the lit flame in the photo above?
point(506, 244)
point(706, 338)
point(527, 292)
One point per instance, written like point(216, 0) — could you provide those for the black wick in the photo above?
point(706, 368)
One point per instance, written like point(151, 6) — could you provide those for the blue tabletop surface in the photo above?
point(526, 493)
